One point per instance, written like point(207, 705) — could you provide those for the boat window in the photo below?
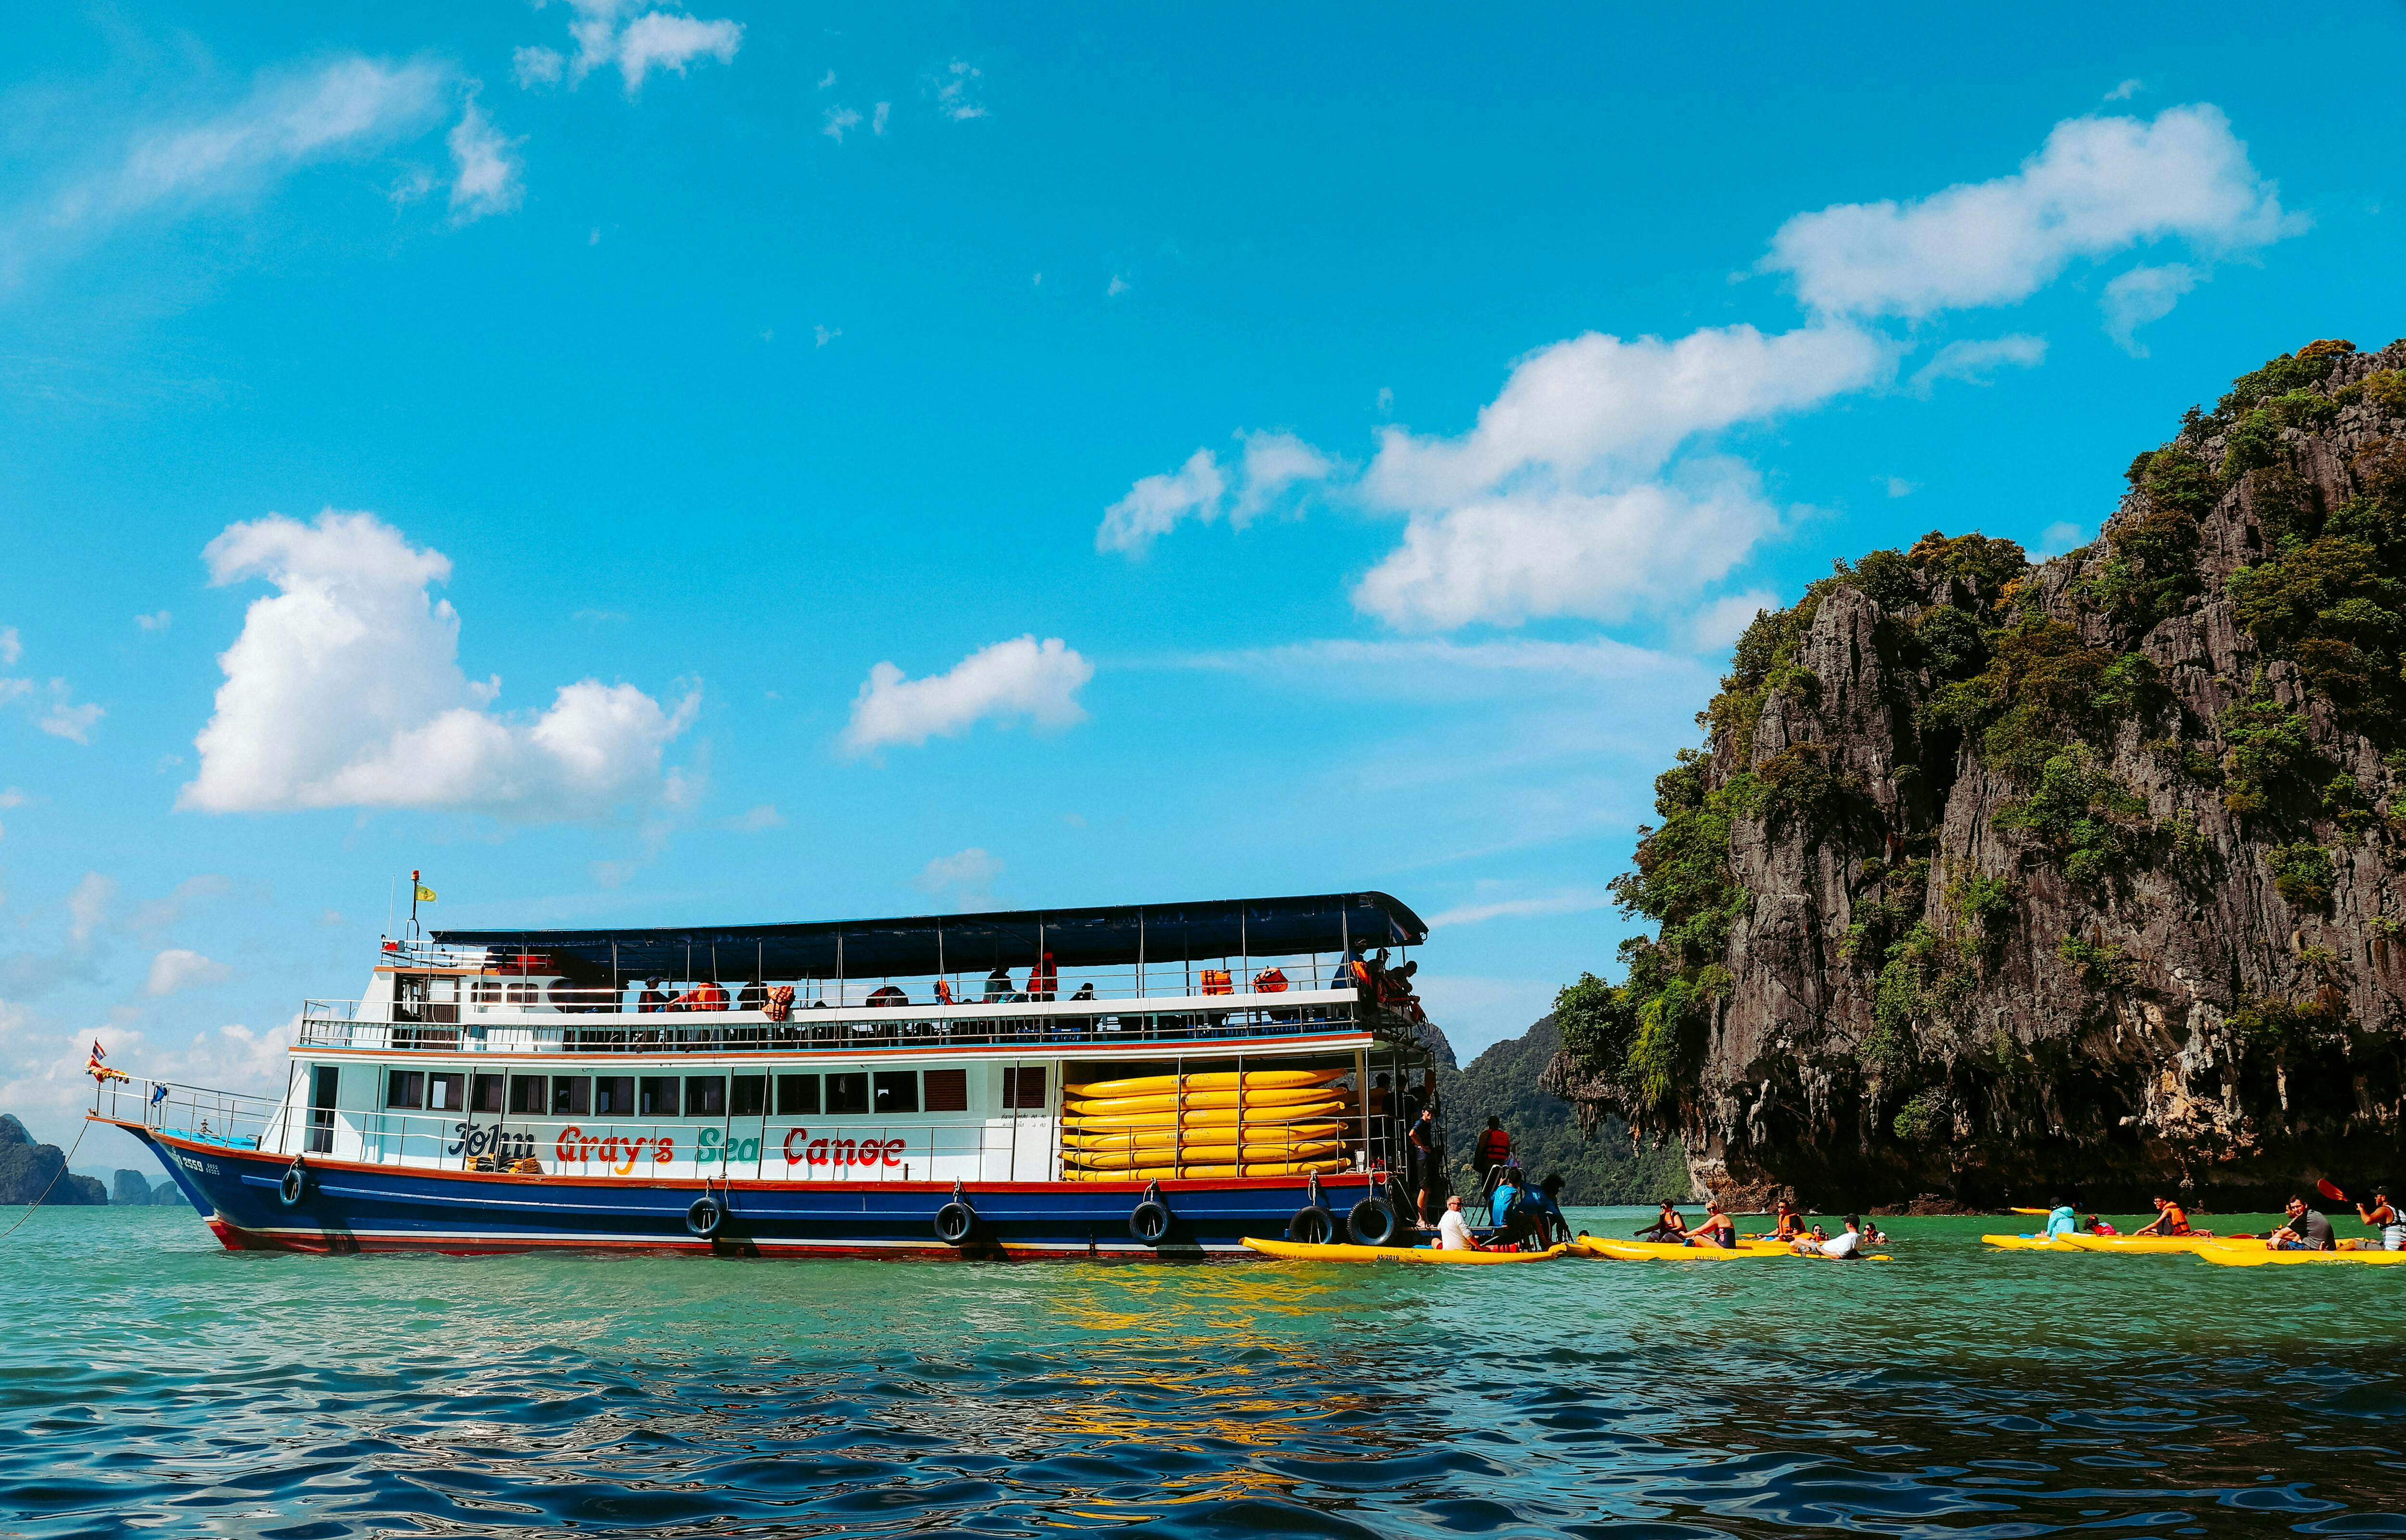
point(1023, 1088)
point(446, 1092)
point(655, 1095)
point(485, 1093)
point(614, 1094)
point(523, 993)
point(571, 1096)
point(847, 1093)
point(750, 1097)
point(797, 1096)
point(404, 1088)
point(526, 1094)
point(705, 1096)
point(946, 1090)
point(485, 991)
point(897, 1091)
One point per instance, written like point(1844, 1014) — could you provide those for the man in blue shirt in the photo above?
point(1507, 1191)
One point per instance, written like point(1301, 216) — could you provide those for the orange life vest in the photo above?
point(1216, 982)
point(1269, 981)
point(1495, 1144)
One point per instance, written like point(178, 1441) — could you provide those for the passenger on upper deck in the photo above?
point(887, 994)
point(708, 996)
point(998, 987)
point(1042, 982)
point(754, 995)
point(651, 998)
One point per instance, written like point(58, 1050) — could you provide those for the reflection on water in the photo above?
point(153, 1382)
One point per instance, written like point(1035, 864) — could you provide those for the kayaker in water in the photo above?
point(2097, 1226)
point(1843, 1246)
point(2060, 1221)
point(2170, 1220)
point(1789, 1224)
point(2384, 1216)
point(1874, 1235)
point(1668, 1227)
point(2306, 1231)
point(1716, 1230)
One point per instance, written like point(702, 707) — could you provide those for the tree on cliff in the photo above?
point(26, 1169)
point(1994, 881)
point(1504, 1080)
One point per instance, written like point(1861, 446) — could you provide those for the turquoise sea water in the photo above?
point(151, 1382)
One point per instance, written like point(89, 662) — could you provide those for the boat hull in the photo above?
point(349, 1206)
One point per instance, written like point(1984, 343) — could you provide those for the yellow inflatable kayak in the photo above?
point(1663, 1250)
point(1166, 1139)
point(2256, 1253)
point(1098, 1160)
point(1262, 1117)
point(1251, 1080)
point(2144, 1245)
point(1106, 1107)
point(2028, 1243)
point(1199, 1172)
point(1298, 1251)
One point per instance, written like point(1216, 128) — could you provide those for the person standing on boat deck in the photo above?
point(1494, 1149)
point(1423, 1156)
point(2384, 1216)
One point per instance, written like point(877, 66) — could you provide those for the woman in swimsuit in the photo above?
point(1716, 1230)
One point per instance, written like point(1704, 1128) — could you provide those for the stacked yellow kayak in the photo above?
point(1259, 1122)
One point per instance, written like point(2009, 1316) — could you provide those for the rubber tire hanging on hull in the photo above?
point(1312, 1225)
point(1149, 1222)
point(294, 1188)
point(1371, 1222)
point(705, 1218)
point(956, 1222)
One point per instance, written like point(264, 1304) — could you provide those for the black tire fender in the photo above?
point(1312, 1225)
point(956, 1222)
point(1149, 1222)
point(1371, 1222)
point(705, 1218)
point(294, 1189)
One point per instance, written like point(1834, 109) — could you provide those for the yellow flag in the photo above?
point(425, 894)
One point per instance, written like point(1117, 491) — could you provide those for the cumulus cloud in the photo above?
point(158, 622)
point(42, 1077)
point(959, 91)
point(839, 122)
point(1977, 361)
point(486, 177)
point(878, 117)
point(536, 66)
point(345, 690)
point(2144, 294)
point(1268, 465)
point(159, 913)
point(2098, 186)
point(606, 34)
point(12, 646)
point(965, 879)
point(176, 970)
point(1022, 678)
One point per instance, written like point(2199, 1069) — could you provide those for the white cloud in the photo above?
point(2098, 186)
point(12, 647)
point(755, 820)
point(656, 39)
point(159, 913)
point(343, 690)
point(11, 797)
point(536, 66)
point(289, 121)
point(956, 89)
point(2142, 294)
point(1019, 678)
point(2057, 538)
point(1269, 465)
point(68, 720)
point(827, 80)
point(967, 876)
point(1386, 399)
point(1899, 486)
point(1718, 624)
point(1577, 901)
point(877, 117)
point(1520, 554)
point(840, 121)
point(1117, 287)
point(159, 622)
point(42, 1077)
point(487, 179)
point(1975, 361)
point(176, 970)
point(2127, 90)
point(822, 335)
point(88, 905)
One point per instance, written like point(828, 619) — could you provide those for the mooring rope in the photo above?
point(67, 1160)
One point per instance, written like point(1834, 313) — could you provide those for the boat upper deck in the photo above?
point(1116, 978)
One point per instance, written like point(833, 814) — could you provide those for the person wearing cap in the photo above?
point(2384, 1216)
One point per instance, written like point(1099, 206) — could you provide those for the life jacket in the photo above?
point(1269, 981)
point(780, 1004)
point(944, 993)
point(1495, 1144)
point(710, 997)
point(1216, 982)
point(1361, 971)
point(2175, 1220)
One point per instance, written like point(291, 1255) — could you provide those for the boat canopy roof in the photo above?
point(958, 943)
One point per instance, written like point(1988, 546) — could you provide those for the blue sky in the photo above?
point(892, 462)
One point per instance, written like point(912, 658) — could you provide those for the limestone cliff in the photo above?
point(1994, 881)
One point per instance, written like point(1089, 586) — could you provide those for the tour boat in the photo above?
point(1153, 1081)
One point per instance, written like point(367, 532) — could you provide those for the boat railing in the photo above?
point(1027, 1027)
point(234, 1119)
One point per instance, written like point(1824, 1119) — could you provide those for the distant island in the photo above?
point(27, 1170)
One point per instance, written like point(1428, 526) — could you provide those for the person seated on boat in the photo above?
point(2060, 1221)
point(710, 995)
point(1085, 992)
point(2306, 1231)
point(886, 995)
point(1715, 1229)
point(2097, 1226)
point(1494, 1147)
point(651, 998)
point(1453, 1231)
point(1541, 1205)
point(754, 995)
point(1507, 1192)
point(2170, 1220)
point(1043, 985)
point(1667, 1228)
point(1788, 1224)
point(1843, 1246)
point(2385, 1217)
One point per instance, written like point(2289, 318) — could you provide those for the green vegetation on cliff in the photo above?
point(1602, 1168)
